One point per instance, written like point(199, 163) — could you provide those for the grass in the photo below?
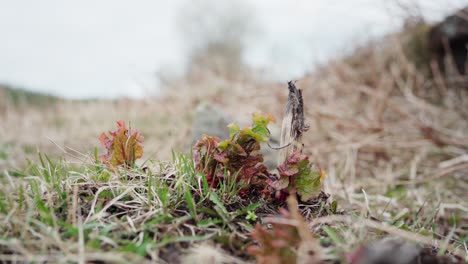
point(58, 212)
point(392, 140)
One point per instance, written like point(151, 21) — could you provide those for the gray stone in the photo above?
point(211, 120)
point(387, 250)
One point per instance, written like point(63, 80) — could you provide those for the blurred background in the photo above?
point(384, 83)
point(111, 48)
point(178, 69)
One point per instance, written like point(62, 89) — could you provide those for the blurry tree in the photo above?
point(215, 34)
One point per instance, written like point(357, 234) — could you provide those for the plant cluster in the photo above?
point(232, 167)
point(297, 174)
point(238, 159)
point(185, 201)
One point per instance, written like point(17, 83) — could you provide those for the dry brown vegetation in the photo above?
point(394, 142)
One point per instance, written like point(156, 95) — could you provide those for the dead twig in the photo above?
point(293, 124)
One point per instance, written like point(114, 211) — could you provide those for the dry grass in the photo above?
point(394, 154)
point(394, 144)
point(74, 127)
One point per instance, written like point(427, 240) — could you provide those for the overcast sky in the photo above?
point(109, 48)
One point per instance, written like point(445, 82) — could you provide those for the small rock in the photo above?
point(211, 120)
point(386, 251)
point(394, 250)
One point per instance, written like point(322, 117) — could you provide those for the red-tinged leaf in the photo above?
point(288, 172)
point(121, 125)
point(138, 137)
point(236, 149)
point(221, 157)
point(203, 154)
point(105, 141)
point(124, 147)
point(303, 177)
point(279, 184)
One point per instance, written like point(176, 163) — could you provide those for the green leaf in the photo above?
point(308, 184)
point(261, 130)
point(249, 132)
point(224, 144)
point(247, 209)
point(233, 129)
point(251, 216)
point(204, 223)
point(219, 207)
point(334, 206)
point(297, 173)
point(262, 120)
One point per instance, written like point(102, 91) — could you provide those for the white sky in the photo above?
point(109, 48)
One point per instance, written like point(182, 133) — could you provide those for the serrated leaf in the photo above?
point(308, 185)
point(124, 146)
point(261, 130)
point(280, 184)
point(297, 173)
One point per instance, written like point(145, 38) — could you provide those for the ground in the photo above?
point(393, 142)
